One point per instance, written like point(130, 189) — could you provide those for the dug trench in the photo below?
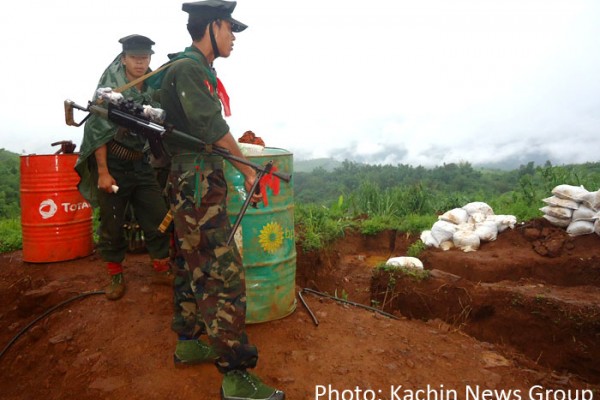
point(535, 290)
point(522, 312)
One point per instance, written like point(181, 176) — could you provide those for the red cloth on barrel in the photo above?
point(270, 181)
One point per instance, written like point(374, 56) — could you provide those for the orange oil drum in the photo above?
point(56, 220)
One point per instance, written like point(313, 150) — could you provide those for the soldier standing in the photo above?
point(190, 94)
point(113, 156)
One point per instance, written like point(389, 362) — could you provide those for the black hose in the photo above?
point(338, 300)
point(48, 312)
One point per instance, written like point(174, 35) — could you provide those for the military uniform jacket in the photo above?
point(188, 94)
point(99, 131)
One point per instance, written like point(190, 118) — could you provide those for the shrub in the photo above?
point(415, 249)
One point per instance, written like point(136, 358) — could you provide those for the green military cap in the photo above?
point(212, 10)
point(137, 45)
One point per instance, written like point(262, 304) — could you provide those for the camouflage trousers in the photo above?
point(209, 288)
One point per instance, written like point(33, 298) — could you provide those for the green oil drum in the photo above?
point(265, 239)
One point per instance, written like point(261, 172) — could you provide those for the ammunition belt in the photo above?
point(123, 153)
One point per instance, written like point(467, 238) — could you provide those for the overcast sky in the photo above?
point(420, 82)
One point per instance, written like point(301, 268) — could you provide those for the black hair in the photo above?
point(197, 27)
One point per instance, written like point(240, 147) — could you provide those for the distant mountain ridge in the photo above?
point(508, 164)
point(328, 164)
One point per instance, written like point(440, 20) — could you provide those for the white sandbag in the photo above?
point(466, 240)
point(570, 192)
point(558, 212)
point(578, 228)
point(406, 262)
point(478, 207)
point(560, 222)
point(584, 213)
point(597, 227)
point(487, 231)
point(503, 222)
point(428, 239)
point(467, 226)
point(456, 216)
point(592, 200)
point(443, 230)
point(477, 218)
point(558, 202)
point(447, 245)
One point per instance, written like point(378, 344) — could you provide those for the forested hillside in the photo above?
point(9, 184)
point(424, 189)
point(452, 182)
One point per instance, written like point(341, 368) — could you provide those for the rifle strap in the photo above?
point(144, 77)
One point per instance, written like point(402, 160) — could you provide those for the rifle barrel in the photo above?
point(223, 152)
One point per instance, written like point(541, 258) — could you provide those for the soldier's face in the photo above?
point(136, 65)
point(225, 38)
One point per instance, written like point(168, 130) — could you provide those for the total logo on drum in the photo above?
point(48, 208)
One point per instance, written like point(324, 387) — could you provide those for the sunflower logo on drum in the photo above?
point(271, 237)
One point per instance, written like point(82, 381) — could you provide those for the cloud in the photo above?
point(417, 82)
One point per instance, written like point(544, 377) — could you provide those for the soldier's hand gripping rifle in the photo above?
point(149, 122)
point(140, 119)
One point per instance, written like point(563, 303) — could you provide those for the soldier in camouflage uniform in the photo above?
point(209, 289)
point(111, 155)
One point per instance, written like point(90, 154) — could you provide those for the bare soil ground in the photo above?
point(521, 313)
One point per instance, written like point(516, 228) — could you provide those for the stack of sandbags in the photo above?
point(467, 227)
point(573, 208)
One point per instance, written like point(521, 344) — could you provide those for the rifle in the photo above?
point(141, 119)
point(149, 122)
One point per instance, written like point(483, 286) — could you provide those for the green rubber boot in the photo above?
point(193, 351)
point(242, 385)
point(116, 288)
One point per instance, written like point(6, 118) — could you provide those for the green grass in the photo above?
point(415, 249)
point(11, 238)
point(415, 274)
point(11, 235)
point(416, 224)
point(411, 208)
point(378, 223)
point(318, 226)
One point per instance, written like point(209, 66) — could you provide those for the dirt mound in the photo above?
point(91, 348)
point(535, 290)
